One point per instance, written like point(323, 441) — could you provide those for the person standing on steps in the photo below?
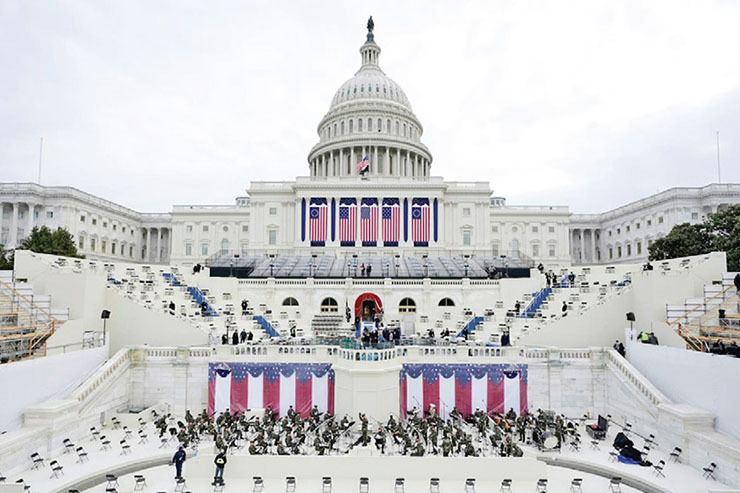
point(178, 460)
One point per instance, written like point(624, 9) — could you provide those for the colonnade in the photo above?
point(384, 161)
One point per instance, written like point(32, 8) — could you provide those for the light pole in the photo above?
point(272, 266)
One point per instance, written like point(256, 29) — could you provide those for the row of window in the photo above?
point(22, 214)
point(535, 251)
point(648, 222)
point(114, 226)
point(206, 228)
point(330, 305)
point(204, 247)
point(114, 247)
point(626, 249)
point(366, 125)
point(515, 229)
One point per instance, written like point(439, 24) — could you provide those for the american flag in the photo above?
point(317, 224)
point(369, 222)
point(420, 223)
point(467, 387)
point(279, 386)
point(391, 221)
point(347, 222)
point(363, 164)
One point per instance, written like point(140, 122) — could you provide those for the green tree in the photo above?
point(719, 233)
point(43, 240)
point(683, 240)
point(724, 227)
point(6, 259)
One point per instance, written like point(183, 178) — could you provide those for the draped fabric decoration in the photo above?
point(436, 219)
point(347, 221)
point(369, 221)
point(318, 220)
point(420, 221)
point(240, 386)
point(333, 219)
point(467, 387)
point(391, 221)
point(303, 219)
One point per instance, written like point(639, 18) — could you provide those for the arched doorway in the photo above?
point(367, 307)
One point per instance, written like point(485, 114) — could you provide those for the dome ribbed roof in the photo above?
point(370, 83)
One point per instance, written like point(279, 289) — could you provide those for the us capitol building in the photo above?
point(370, 191)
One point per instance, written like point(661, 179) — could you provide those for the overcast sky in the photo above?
point(590, 104)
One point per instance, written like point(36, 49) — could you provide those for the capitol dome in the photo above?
point(371, 116)
point(370, 83)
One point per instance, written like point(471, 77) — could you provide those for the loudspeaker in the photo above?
point(105, 314)
point(630, 317)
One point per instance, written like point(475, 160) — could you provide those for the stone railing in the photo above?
point(635, 378)
point(115, 366)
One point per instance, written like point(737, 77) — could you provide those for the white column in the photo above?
point(13, 233)
point(377, 163)
point(31, 208)
point(352, 161)
point(342, 169)
point(593, 246)
point(398, 162)
point(583, 245)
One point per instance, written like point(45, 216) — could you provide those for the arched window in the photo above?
point(388, 126)
point(514, 248)
point(329, 305)
point(404, 130)
point(342, 128)
point(290, 301)
point(380, 124)
point(359, 124)
point(351, 126)
point(446, 302)
point(225, 244)
point(369, 124)
point(398, 128)
point(335, 130)
point(407, 305)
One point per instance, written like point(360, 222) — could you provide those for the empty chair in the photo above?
point(218, 485)
point(81, 455)
point(434, 485)
point(37, 460)
point(650, 440)
point(658, 468)
point(615, 485)
point(2, 478)
point(116, 423)
point(470, 485)
point(326, 484)
point(180, 484)
point(68, 445)
point(142, 423)
point(95, 433)
point(575, 445)
point(675, 455)
point(126, 432)
point(399, 485)
point(139, 481)
point(505, 486)
point(709, 471)
point(595, 445)
point(290, 484)
point(259, 485)
point(73, 491)
point(125, 448)
point(575, 485)
point(364, 485)
point(26, 487)
point(613, 456)
point(627, 428)
point(143, 437)
point(541, 486)
point(112, 480)
point(164, 441)
point(104, 443)
point(111, 490)
point(56, 469)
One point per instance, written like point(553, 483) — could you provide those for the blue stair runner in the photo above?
point(171, 279)
point(199, 298)
point(537, 299)
point(471, 326)
point(266, 326)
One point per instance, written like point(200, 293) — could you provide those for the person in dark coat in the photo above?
point(220, 462)
point(224, 339)
point(172, 307)
point(565, 308)
point(736, 281)
point(235, 338)
point(243, 336)
point(244, 307)
point(178, 460)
